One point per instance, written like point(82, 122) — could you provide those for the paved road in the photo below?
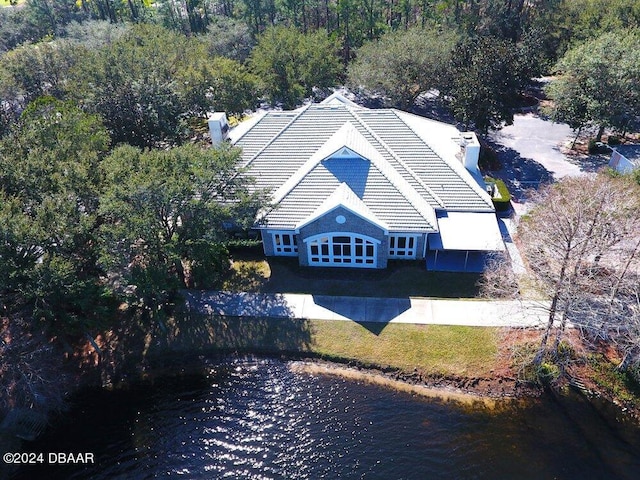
point(362, 309)
point(538, 139)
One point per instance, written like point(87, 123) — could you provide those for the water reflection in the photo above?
point(257, 419)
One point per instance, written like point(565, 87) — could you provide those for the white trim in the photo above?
point(284, 243)
point(408, 251)
point(342, 254)
point(344, 197)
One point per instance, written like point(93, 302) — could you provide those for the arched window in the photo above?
point(342, 250)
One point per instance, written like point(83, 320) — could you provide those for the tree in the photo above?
point(187, 16)
point(402, 65)
point(580, 20)
point(599, 83)
point(485, 82)
point(33, 71)
point(150, 82)
point(290, 64)
point(573, 241)
point(229, 38)
point(94, 34)
point(167, 215)
point(48, 212)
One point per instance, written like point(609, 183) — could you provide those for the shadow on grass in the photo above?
point(402, 279)
point(258, 322)
point(197, 328)
point(374, 314)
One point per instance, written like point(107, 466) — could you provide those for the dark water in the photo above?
point(255, 419)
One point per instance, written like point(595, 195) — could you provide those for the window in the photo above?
point(285, 244)
point(402, 246)
point(342, 250)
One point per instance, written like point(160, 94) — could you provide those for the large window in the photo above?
point(402, 246)
point(342, 250)
point(285, 244)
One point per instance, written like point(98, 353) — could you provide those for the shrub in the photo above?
point(547, 373)
point(598, 147)
point(613, 140)
point(503, 202)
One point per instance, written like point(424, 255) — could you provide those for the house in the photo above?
point(355, 187)
point(625, 158)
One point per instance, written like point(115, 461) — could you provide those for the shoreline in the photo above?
point(441, 393)
point(465, 390)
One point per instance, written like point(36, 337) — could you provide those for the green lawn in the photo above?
point(431, 349)
point(400, 279)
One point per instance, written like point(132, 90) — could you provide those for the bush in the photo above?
point(547, 373)
point(598, 147)
point(613, 140)
point(501, 203)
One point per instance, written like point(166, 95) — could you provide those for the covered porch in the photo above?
point(464, 242)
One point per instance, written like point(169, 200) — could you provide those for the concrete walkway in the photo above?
point(484, 313)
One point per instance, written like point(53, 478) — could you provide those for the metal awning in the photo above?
point(470, 231)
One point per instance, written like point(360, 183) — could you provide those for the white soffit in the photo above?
point(470, 231)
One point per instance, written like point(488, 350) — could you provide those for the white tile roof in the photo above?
point(347, 198)
point(411, 164)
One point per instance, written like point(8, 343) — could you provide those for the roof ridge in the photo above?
point(458, 168)
point(399, 177)
point(248, 162)
point(307, 166)
point(405, 166)
point(373, 156)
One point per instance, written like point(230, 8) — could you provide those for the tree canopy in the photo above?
point(50, 184)
point(403, 64)
point(598, 83)
point(290, 64)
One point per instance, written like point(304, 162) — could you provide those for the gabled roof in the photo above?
point(413, 168)
point(344, 197)
point(337, 98)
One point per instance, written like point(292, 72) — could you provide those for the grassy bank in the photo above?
point(428, 349)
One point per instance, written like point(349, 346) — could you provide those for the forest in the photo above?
point(106, 196)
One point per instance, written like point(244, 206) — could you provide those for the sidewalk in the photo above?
point(482, 313)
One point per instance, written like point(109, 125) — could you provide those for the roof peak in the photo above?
point(344, 197)
point(337, 98)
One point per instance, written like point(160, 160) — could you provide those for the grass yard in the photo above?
point(431, 349)
point(254, 273)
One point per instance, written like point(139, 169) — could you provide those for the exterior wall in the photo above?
point(353, 224)
point(267, 241)
point(420, 241)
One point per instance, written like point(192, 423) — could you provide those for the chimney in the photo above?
point(470, 147)
point(218, 127)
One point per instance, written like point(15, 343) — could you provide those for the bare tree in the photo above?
point(574, 241)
